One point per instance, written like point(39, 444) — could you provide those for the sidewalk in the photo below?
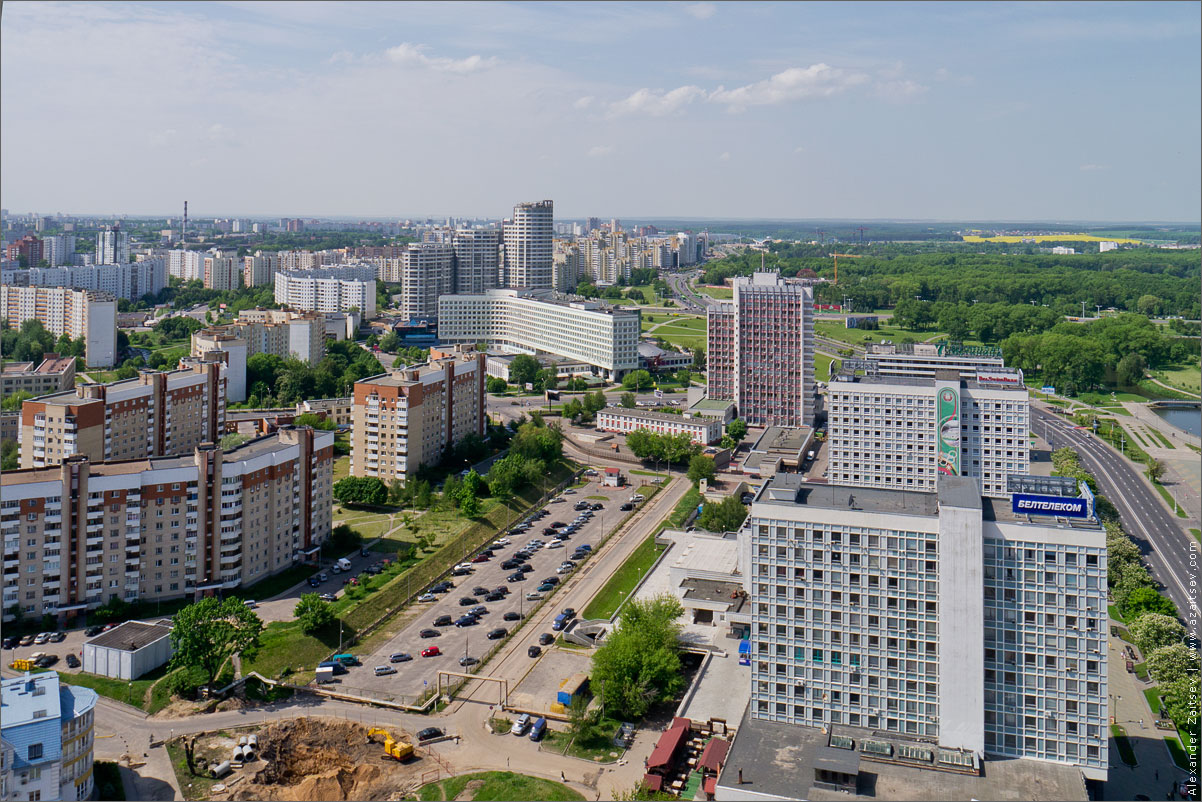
point(1155, 772)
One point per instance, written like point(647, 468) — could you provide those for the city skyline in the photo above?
point(864, 111)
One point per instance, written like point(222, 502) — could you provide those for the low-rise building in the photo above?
point(532, 322)
point(779, 448)
point(128, 650)
point(339, 411)
point(87, 314)
point(81, 533)
point(156, 413)
point(701, 430)
point(52, 374)
point(654, 358)
point(48, 732)
point(406, 419)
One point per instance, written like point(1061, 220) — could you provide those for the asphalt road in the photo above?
point(454, 641)
point(1172, 555)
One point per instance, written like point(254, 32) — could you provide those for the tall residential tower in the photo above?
point(528, 249)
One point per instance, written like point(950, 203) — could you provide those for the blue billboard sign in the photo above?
point(1060, 506)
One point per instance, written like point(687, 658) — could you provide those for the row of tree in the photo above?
point(31, 340)
point(278, 381)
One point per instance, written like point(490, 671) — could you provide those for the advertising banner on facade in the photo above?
point(949, 430)
point(1060, 506)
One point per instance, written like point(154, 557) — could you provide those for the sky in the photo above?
point(942, 111)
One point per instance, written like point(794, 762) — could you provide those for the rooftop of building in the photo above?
point(786, 439)
point(792, 488)
point(405, 377)
point(843, 379)
point(75, 398)
point(943, 349)
point(50, 364)
point(648, 414)
point(712, 405)
point(29, 697)
point(552, 298)
point(715, 591)
point(778, 760)
point(130, 636)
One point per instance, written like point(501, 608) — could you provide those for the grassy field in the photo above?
point(835, 330)
point(686, 332)
point(822, 367)
point(624, 579)
point(342, 468)
point(1197, 533)
point(721, 293)
point(136, 693)
point(496, 785)
point(1187, 377)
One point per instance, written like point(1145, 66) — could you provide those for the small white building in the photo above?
point(128, 651)
point(702, 430)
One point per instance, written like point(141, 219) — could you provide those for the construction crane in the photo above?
point(397, 750)
point(845, 256)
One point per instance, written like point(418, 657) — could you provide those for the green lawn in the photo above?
point(134, 693)
point(721, 293)
point(1168, 499)
point(835, 330)
point(342, 468)
point(822, 367)
point(284, 646)
point(1163, 440)
point(684, 332)
point(599, 750)
point(624, 580)
point(1114, 614)
point(497, 785)
point(1126, 753)
point(1197, 533)
point(1183, 377)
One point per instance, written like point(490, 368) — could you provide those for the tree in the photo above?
point(639, 663)
point(367, 490)
point(537, 442)
point(573, 409)
point(1147, 304)
point(1145, 600)
point(727, 441)
point(699, 359)
point(582, 722)
point(1181, 699)
point(423, 495)
point(469, 495)
point(1170, 663)
point(637, 380)
point(389, 342)
point(209, 632)
point(523, 369)
point(13, 401)
point(737, 429)
point(316, 421)
point(725, 516)
point(641, 793)
point(684, 378)
point(1130, 370)
point(1153, 630)
point(702, 467)
point(628, 400)
point(496, 385)
point(313, 614)
point(1155, 470)
point(9, 458)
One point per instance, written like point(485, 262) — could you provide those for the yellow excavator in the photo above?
point(397, 750)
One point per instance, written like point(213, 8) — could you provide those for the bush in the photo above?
point(184, 682)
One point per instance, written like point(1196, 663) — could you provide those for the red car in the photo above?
point(480, 559)
point(431, 651)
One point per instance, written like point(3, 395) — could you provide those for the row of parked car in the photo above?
point(35, 640)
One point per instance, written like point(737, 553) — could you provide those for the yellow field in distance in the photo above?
point(1052, 238)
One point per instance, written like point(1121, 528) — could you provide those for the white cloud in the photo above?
point(656, 102)
point(947, 76)
point(799, 149)
point(725, 157)
point(701, 11)
point(597, 151)
point(1090, 168)
point(407, 53)
point(584, 102)
point(795, 83)
point(897, 91)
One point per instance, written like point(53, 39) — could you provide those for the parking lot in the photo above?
point(537, 690)
point(454, 642)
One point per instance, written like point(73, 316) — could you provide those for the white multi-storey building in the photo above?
point(112, 246)
point(903, 433)
point(528, 321)
point(477, 259)
point(528, 246)
point(48, 735)
point(260, 269)
point(427, 272)
point(701, 430)
point(59, 250)
point(187, 265)
point(328, 289)
point(89, 314)
point(941, 616)
point(222, 272)
point(130, 281)
point(923, 359)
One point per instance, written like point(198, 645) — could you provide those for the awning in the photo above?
point(710, 785)
point(654, 782)
point(714, 754)
point(665, 750)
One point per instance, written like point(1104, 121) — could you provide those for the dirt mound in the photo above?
point(312, 759)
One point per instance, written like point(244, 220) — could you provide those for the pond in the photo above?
point(1184, 418)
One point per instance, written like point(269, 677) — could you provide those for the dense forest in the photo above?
point(1118, 279)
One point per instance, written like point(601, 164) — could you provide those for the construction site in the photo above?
point(306, 759)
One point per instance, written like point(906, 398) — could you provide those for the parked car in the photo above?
point(427, 597)
point(9, 643)
point(494, 597)
point(520, 724)
point(478, 610)
point(467, 601)
point(443, 621)
point(504, 591)
point(534, 651)
point(501, 541)
point(512, 615)
point(28, 640)
point(626, 507)
point(41, 638)
point(545, 587)
point(92, 632)
point(518, 577)
point(480, 558)
point(538, 728)
point(558, 544)
point(569, 611)
point(597, 506)
point(72, 661)
point(46, 660)
point(546, 639)
point(384, 670)
point(565, 569)
point(429, 733)
point(429, 633)
point(497, 634)
point(466, 621)
point(467, 661)
point(327, 597)
point(314, 581)
point(431, 651)
point(552, 580)
point(400, 657)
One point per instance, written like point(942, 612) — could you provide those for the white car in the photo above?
point(520, 724)
point(564, 569)
point(501, 541)
point(427, 597)
point(41, 638)
point(463, 566)
point(533, 595)
point(555, 544)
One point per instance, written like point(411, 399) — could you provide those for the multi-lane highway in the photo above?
point(1172, 555)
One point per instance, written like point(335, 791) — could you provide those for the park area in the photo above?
point(685, 331)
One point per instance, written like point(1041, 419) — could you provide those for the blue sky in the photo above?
point(1074, 111)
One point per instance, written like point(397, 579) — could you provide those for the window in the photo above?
point(35, 752)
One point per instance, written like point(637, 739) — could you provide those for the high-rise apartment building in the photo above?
point(27, 251)
point(130, 281)
point(112, 246)
point(58, 250)
point(477, 260)
point(526, 321)
point(761, 351)
point(222, 272)
point(154, 414)
point(89, 314)
point(187, 265)
point(47, 736)
point(280, 332)
point(923, 359)
point(81, 533)
point(260, 269)
point(528, 246)
point(407, 419)
point(967, 622)
point(328, 289)
point(427, 272)
point(904, 433)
